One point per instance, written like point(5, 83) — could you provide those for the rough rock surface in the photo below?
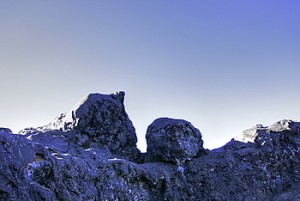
point(71, 159)
point(97, 121)
point(173, 140)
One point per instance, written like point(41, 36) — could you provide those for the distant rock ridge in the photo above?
point(90, 153)
point(5, 130)
point(253, 134)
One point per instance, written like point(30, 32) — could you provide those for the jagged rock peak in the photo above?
point(80, 114)
point(98, 120)
point(90, 105)
point(251, 134)
point(85, 108)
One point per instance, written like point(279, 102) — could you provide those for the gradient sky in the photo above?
point(222, 65)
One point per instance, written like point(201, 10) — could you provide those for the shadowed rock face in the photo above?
point(90, 154)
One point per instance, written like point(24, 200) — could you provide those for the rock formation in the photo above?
point(172, 140)
point(90, 154)
point(97, 121)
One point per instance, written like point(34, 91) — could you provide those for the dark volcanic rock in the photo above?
point(90, 154)
point(97, 121)
point(173, 140)
point(5, 130)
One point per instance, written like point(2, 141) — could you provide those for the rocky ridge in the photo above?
point(90, 153)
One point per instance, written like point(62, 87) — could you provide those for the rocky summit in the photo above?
point(90, 153)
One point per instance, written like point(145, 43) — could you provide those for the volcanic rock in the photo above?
point(90, 154)
point(97, 121)
point(173, 140)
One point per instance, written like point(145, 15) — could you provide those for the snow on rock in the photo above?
point(254, 134)
point(250, 134)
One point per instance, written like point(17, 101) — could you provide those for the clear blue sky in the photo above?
point(222, 65)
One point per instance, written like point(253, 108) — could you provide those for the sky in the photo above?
point(222, 65)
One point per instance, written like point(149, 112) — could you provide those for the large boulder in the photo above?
point(173, 140)
point(102, 119)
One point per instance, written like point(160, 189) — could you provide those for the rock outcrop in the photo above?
point(97, 121)
point(90, 154)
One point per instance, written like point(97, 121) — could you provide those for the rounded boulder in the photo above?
point(172, 140)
